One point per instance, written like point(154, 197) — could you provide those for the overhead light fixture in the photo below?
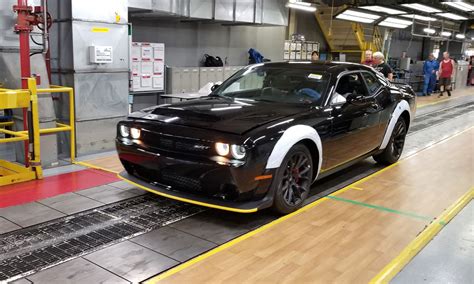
point(447, 34)
point(422, 8)
point(463, 6)
point(395, 23)
point(356, 16)
point(419, 17)
point(305, 6)
point(451, 16)
point(383, 9)
point(429, 31)
point(460, 36)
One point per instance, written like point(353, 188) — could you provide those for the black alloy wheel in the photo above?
point(394, 149)
point(399, 134)
point(293, 180)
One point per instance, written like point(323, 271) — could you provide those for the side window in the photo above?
point(351, 84)
point(372, 83)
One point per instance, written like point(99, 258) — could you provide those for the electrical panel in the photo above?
point(100, 54)
point(147, 67)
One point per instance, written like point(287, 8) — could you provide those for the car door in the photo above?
point(354, 119)
point(379, 113)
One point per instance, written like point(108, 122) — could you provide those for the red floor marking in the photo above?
point(20, 193)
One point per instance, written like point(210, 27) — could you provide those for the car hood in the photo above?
point(235, 116)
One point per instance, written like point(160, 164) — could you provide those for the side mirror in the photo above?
point(215, 87)
point(355, 98)
point(338, 100)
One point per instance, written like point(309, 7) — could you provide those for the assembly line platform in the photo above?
point(82, 224)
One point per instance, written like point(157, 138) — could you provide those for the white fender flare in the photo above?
point(399, 109)
point(290, 137)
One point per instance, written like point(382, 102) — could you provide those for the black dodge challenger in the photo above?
point(266, 134)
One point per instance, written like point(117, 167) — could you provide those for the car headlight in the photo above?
point(222, 148)
point(124, 131)
point(238, 152)
point(135, 133)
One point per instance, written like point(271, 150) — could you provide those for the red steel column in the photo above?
point(23, 29)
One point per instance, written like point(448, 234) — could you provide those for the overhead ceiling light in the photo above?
point(460, 36)
point(383, 9)
point(392, 25)
point(429, 31)
point(395, 23)
point(419, 17)
point(354, 19)
point(451, 16)
point(398, 21)
point(460, 6)
point(305, 6)
point(356, 16)
point(421, 7)
point(446, 34)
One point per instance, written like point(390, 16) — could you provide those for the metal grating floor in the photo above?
point(35, 248)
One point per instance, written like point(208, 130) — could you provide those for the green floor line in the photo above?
point(381, 208)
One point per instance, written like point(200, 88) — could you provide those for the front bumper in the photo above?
point(197, 180)
point(239, 207)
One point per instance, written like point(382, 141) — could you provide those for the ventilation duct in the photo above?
point(270, 12)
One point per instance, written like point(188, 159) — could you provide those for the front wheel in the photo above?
point(394, 148)
point(293, 180)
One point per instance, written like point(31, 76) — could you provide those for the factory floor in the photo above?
point(81, 224)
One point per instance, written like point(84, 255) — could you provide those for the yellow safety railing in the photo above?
point(10, 99)
point(62, 127)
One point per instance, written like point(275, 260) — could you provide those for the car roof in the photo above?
point(323, 66)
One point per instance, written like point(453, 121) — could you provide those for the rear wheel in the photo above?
point(394, 148)
point(293, 180)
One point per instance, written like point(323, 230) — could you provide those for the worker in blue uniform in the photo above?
point(430, 67)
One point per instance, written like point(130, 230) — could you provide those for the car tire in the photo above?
point(292, 180)
point(394, 148)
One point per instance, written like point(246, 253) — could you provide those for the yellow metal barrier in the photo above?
point(12, 172)
point(62, 127)
point(9, 99)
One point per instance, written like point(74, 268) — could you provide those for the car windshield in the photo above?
point(276, 84)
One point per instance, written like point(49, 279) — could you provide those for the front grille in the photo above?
point(181, 182)
point(176, 144)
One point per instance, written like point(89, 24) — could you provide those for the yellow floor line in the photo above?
point(84, 164)
point(435, 103)
point(415, 246)
point(243, 237)
point(356, 188)
point(440, 101)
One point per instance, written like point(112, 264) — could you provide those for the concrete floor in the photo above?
point(448, 258)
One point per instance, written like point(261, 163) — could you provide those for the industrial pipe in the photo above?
point(46, 49)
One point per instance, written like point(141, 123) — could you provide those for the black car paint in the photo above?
point(344, 131)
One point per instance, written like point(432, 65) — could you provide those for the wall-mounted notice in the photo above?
point(147, 66)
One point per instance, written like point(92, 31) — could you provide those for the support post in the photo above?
point(23, 28)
